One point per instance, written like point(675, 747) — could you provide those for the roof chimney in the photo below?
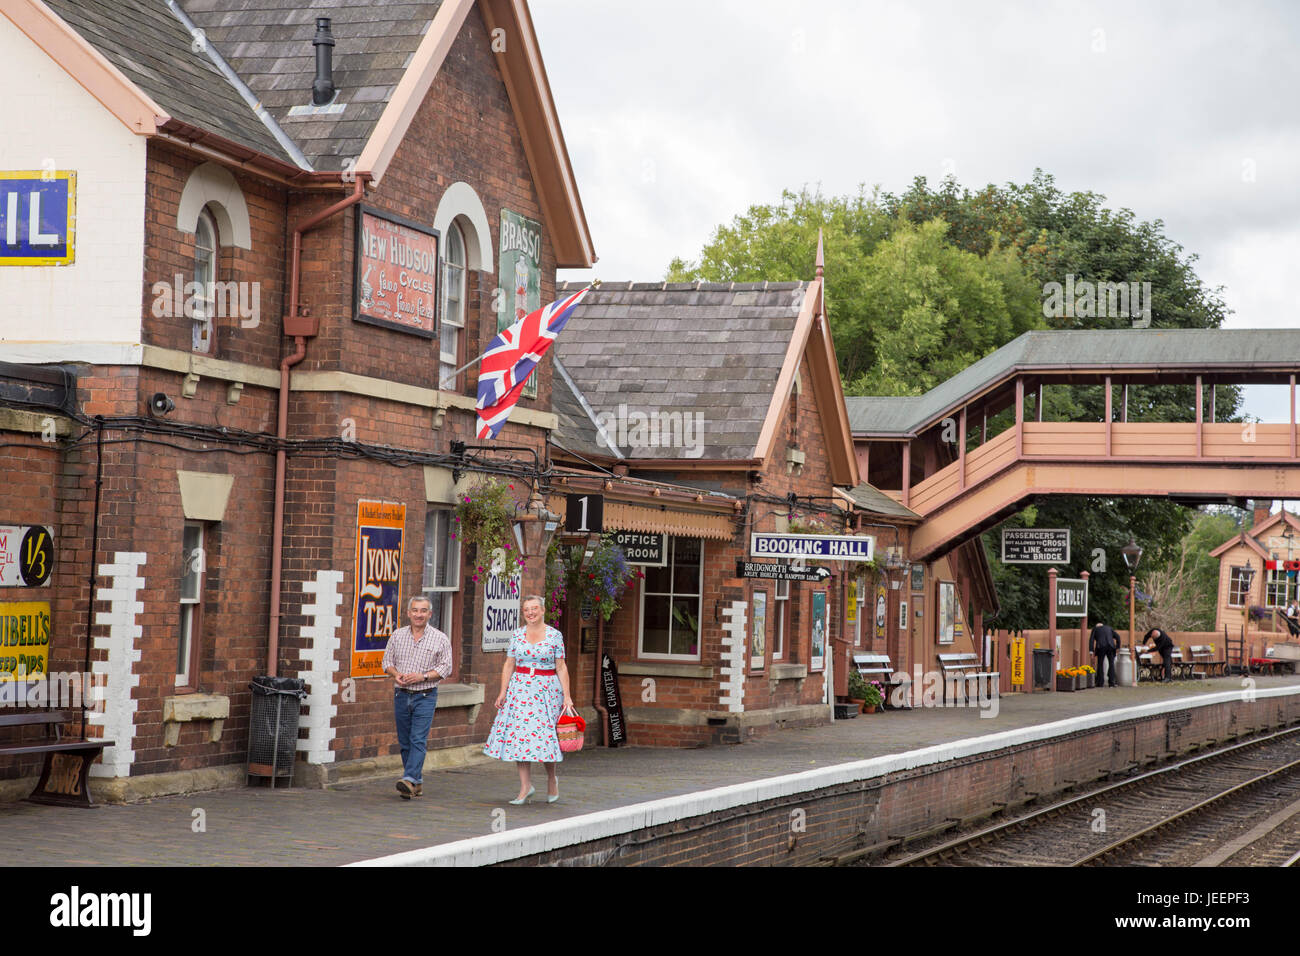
point(322, 88)
point(1262, 510)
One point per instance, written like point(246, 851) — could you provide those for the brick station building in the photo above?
point(356, 236)
point(731, 394)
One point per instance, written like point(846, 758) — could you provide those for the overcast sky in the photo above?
point(680, 115)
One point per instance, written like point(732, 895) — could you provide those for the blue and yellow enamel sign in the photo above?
point(38, 216)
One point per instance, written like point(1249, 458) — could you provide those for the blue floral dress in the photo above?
point(524, 728)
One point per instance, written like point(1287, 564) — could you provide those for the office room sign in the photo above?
point(38, 216)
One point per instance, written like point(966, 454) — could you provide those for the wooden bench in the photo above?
point(1151, 664)
point(67, 760)
point(966, 668)
point(1203, 658)
point(878, 667)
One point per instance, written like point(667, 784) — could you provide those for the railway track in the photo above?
point(1234, 806)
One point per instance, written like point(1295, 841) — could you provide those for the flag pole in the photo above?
point(453, 375)
point(594, 284)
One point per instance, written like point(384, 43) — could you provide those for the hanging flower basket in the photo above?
point(600, 578)
point(483, 519)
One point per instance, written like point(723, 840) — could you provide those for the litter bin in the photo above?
point(273, 727)
point(1043, 670)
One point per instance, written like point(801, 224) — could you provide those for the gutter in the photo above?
point(301, 328)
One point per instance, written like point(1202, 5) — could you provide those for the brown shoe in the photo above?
point(405, 789)
point(419, 790)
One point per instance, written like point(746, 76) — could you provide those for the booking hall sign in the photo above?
point(397, 273)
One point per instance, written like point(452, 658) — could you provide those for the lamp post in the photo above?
point(1132, 555)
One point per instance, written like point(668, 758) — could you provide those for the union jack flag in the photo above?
point(511, 358)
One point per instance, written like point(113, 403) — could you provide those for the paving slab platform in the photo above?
point(367, 820)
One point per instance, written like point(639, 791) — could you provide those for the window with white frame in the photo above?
point(1237, 588)
point(1278, 589)
point(780, 607)
point(193, 568)
point(670, 602)
point(206, 255)
point(441, 567)
point(453, 306)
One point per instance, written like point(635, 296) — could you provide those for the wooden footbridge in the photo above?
point(935, 455)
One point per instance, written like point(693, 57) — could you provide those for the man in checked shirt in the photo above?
point(418, 657)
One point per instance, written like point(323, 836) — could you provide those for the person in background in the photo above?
point(534, 692)
point(1157, 640)
point(417, 658)
point(1292, 618)
point(1103, 642)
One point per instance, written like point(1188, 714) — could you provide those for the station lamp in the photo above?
point(1132, 555)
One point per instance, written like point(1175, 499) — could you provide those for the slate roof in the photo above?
point(268, 43)
point(710, 352)
point(1062, 350)
point(152, 48)
point(577, 429)
point(870, 498)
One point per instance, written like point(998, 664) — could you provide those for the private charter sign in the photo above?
point(815, 546)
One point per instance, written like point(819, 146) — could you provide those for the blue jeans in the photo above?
point(413, 713)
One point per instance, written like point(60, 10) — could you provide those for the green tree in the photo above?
point(922, 284)
point(929, 310)
point(778, 243)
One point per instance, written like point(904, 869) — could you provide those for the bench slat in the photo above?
point(53, 747)
point(32, 718)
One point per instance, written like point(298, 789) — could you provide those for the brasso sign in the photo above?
point(821, 546)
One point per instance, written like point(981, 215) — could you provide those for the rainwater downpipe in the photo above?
point(301, 331)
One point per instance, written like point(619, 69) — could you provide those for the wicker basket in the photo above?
point(572, 732)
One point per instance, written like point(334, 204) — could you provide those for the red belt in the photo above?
point(535, 671)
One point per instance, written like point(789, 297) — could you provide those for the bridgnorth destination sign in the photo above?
point(817, 546)
point(780, 572)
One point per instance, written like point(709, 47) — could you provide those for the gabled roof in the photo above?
point(269, 44)
point(1251, 537)
point(716, 357)
point(245, 77)
point(1226, 350)
point(153, 50)
point(708, 350)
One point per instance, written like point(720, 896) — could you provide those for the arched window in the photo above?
point(206, 254)
point(453, 307)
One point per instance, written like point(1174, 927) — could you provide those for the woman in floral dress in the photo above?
point(534, 692)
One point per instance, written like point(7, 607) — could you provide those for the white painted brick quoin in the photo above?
point(733, 657)
point(322, 638)
point(117, 716)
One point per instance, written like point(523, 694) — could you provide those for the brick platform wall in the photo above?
point(800, 829)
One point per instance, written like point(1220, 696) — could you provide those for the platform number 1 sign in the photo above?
point(584, 514)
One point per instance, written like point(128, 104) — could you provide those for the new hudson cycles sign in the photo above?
point(816, 546)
